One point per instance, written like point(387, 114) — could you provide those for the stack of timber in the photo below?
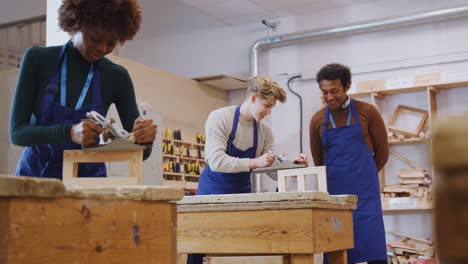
point(413, 183)
point(410, 250)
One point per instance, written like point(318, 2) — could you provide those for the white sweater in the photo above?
point(218, 128)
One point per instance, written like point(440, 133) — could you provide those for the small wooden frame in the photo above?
point(71, 158)
point(320, 171)
point(396, 121)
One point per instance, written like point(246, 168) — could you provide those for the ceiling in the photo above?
point(237, 12)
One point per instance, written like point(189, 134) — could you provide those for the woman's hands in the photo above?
point(85, 132)
point(144, 130)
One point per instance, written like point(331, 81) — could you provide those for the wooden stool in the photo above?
point(320, 171)
point(71, 158)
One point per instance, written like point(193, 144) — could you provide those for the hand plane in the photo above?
point(114, 137)
point(281, 164)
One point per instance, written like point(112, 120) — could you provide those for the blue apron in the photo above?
point(47, 160)
point(212, 182)
point(351, 169)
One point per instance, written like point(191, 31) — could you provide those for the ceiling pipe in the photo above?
point(390, 23)
point(353, 29)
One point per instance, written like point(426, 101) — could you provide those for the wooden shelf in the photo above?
point(441, 86)
point(165, 156)
point(180, 174)
point(191, 144)
point(408, 141)
point(173, 173)
point(406, 204)
point(190, 158)
point(181, 180)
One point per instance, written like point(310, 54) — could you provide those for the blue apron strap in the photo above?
point(325, 127)
point(348, 121)
point(84, 91)
point(63, 82)
point(97, 86)
point(255, 141)
point(232, 135)
point(52, 86)
point(331, 120)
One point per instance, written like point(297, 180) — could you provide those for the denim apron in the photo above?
point(351, 169)
point(47, 160)
point(212, 182)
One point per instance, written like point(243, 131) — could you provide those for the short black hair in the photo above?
point(335, 71)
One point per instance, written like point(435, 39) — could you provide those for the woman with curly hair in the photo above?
point(58, 85)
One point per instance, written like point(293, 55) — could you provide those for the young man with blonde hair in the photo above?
point(237, 141)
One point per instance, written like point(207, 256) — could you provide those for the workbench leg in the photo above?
point(338, 257)
point(300, 259)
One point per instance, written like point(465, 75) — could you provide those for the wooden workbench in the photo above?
point(296, 225)
point(41, 222)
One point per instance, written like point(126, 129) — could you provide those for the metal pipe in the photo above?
point(410, 20)
point(370, 26)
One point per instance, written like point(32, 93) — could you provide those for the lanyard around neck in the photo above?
point(63, 84)
point(333, 121)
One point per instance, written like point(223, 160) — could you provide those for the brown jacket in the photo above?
point(373, 128)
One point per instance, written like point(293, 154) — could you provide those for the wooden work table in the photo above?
point(296, 225)
point(42, 223)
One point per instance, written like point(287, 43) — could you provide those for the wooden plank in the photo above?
point(244, 260)
point(256, 197)
point(263, 206)
point(293, 231)
point(136, 193)
point(87, 231)
point(400, 157)
point(412, 237)
point(14, 186)
point(80, 156)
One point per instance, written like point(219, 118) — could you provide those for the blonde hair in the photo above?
point(266, 88)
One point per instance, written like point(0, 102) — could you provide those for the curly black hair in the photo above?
point(120, 17)
point(335, 71)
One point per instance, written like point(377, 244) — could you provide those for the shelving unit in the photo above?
point(378, 97)
point(186, 181)
point(413, 215)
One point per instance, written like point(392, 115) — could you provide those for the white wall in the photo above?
point(54, 35)
point(14, 10)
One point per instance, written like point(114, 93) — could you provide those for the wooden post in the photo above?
point(300, 259)
point(338, 257)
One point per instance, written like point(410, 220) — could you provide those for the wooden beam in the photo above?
point(400, 157)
